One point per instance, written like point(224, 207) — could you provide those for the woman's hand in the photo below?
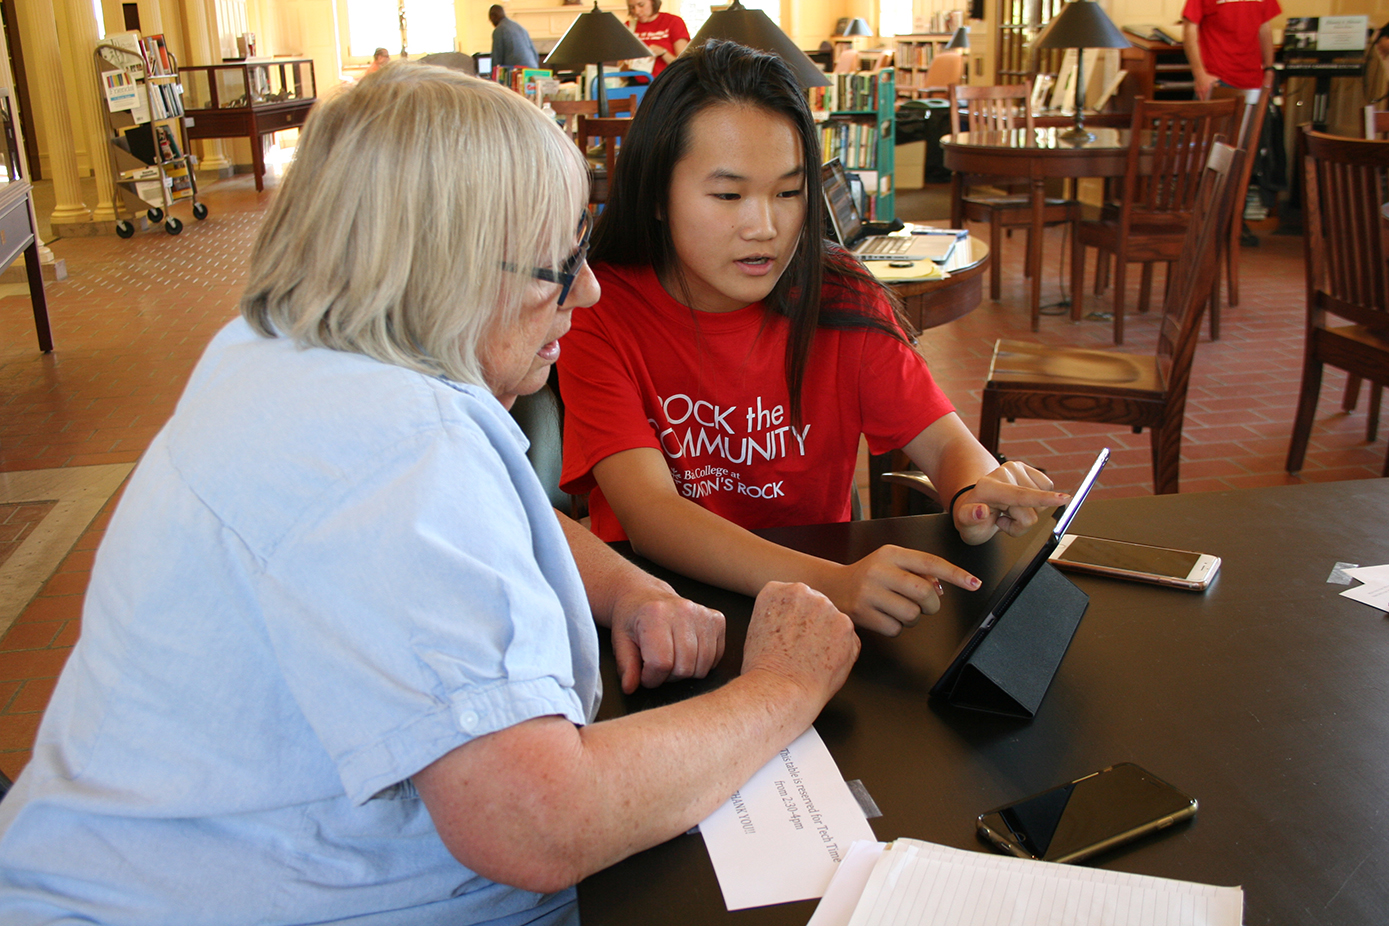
point(1005, 500)
point(892, 587)
point(659, 636)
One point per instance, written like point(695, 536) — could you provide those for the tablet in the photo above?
point(1016, 579)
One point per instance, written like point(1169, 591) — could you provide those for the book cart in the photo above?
point(151, 164)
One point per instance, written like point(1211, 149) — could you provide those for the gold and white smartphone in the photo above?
point(1137, 561)
point(1086, 816)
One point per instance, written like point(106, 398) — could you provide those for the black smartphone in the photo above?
point(1086, 816)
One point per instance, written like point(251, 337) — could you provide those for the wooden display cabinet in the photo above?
point(248, 99)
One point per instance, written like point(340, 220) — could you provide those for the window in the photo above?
point(895, 17)
point(371, 24)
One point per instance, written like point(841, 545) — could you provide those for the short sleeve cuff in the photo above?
point(466, 716)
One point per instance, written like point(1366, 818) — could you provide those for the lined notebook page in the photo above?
point(918, 883)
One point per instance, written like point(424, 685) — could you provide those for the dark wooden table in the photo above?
point(1037, 155)
point(1267, 698)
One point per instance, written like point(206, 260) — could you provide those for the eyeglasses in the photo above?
point(569, 268)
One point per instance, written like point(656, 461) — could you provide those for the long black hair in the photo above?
point(630, 230)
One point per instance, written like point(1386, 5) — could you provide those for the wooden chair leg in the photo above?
point(1352, 394)
point(1232, 253)
point(1166, 441)
point(1027, 268)
point(1145, 288)
point(1120, 289)
point(1077, 279)
point(995, 259)
point(1306, 412)
point(1372, 426)
point(1215, 312)
point(1101, 271)
point(990, 419)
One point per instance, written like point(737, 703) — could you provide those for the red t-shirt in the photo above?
point(709, 391)
point(662, 31)
point(1229, 36)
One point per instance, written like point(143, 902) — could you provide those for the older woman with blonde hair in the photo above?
point(338, 658)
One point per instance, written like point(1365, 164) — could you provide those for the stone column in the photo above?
point(83, 37)
point(45, 72)
point(205, 47)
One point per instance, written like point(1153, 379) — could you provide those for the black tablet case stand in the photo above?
point(1013, 667)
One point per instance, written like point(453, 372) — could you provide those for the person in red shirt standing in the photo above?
point(1228, 42)
point(664, 33)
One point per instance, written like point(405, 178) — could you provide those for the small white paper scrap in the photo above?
point(781, 836)
point(1338, 574)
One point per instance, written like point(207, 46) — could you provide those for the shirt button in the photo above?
point(467, 720)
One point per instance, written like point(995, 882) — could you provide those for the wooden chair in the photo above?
point(1253, 106)
point(946, 70)
point(999, 109)
point(1029, 380)
point(1170, 142)
point(1345, 242)
point(570, 109)
point(610, 131)
point(1376, 126)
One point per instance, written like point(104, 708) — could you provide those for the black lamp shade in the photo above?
point(595, 37)
point(1081, 24)
point(959, 40)
point(858, 26)
point(755, 29)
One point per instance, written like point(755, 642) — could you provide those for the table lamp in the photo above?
point(1080, 25)
point(595, 37)
point(857, 26)
point(959, 40)
point(755, 29)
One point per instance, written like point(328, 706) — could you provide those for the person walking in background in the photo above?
point(511, 43)
point(1228, 42)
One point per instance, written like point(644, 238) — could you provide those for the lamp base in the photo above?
point(1076, 135)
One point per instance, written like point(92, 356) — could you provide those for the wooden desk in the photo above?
point(1265, 698)
point(16, 235)
point(1037, 156)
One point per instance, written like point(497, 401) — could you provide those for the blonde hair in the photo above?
point(408, 193)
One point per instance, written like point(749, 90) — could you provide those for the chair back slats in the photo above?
point(1196, 269)
point(1171, 144)
point(1345, 192)
point(1001, 108)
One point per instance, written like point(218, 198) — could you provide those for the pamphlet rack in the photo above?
point(151, 164)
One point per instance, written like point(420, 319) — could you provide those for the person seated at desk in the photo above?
point(338, 658)
point(723, 380)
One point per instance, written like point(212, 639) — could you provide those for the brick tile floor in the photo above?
point(133, 316)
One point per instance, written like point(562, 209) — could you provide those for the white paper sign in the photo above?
point(781, 836)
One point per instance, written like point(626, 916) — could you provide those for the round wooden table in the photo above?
point(1036, 155)
point(929, 303)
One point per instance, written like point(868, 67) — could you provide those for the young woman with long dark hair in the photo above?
point(735, 357)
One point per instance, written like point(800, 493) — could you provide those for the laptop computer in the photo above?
point(1016, 579)
point(849, 228)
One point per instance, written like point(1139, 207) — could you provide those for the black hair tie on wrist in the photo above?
point(956, 498)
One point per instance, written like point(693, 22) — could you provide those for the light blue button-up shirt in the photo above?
point(326, 573)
